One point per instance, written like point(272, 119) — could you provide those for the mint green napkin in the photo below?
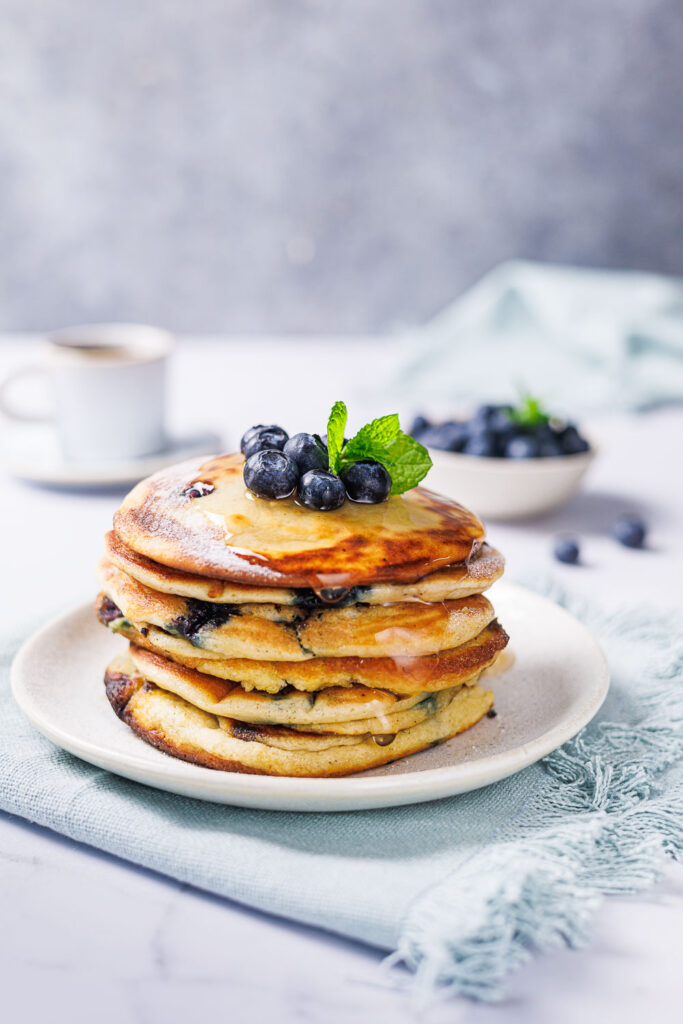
point(581, 339)
point(463, 890)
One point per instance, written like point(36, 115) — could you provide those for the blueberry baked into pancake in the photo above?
point(302, 608)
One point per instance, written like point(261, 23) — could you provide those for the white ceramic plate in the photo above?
point(31, 453)
point(549, 683)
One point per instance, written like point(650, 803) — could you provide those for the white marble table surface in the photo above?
point(86, 937)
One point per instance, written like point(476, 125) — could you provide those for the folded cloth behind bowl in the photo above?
point(581, 339)
point(463, 890)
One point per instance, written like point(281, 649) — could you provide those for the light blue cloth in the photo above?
point(579, 339)
point(463, 890)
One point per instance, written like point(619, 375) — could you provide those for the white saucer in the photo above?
point(31, 453)
point(548, 684)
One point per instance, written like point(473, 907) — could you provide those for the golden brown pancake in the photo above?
point(350, 710)
point(233, 535)
point(174, 726)
point(286, 633)
point(401, 675)
point(471, 577)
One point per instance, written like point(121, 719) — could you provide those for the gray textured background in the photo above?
point(282, 165)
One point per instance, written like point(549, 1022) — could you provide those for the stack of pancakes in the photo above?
point(269, 638)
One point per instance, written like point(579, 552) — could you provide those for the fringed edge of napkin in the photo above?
point(539, 889)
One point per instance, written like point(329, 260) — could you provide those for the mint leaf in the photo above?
point(529, 413)
point(382, 440)
point(371, 438)
point(336, 425)
point(407, 462)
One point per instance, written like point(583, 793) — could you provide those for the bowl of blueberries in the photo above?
point(506, 461)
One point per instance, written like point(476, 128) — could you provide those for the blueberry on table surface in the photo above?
point(482, 444)
point(307, 452)
point(522, 447)
point(270, 474)
point(366, 481)
point(259, 439)
point(566, 549)
point(321, 490)
point(629, 530)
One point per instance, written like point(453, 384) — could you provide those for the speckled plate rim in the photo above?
point(355, 792)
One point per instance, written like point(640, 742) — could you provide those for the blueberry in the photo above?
point(453, 436)
point(432, 437)
point(629, 531)
point(566, 549)
point(486, 411)
point(366, 481)
point(321, 490)
point(549, 443)
point(419, 425)
point(248, 434)
point(482, 443)
point(499, 420)
point(270, 474)
point(572, 442)
point(260, 439)
point(307, 452)
point(523, 447)
point(550, 449)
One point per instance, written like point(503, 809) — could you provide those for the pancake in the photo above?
point(348, 710)
point(228, 533)
point(400, 675)
point(462, 580)
point(287, 633)
point(171, 724)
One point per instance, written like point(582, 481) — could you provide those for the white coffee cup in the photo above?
point(106, 386)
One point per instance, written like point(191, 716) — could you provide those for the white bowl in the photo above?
point(507, 488)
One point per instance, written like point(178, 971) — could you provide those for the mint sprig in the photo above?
point(382, 440)
point(529, 412)
point(336, 425)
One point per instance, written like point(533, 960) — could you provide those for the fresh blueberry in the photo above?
point(549, 443)
point(486, 412)
point(248, 434)
point(432, 437)
point(270, 474)
point(306, 452)
point(366, 481)
point(263, 439)
point(572, 442)
point(453, 436)
point(321, 490)
point(523, 447)
point(629, 531)
point(566, 549)
point(499, 420)
point(419, 425)
point(483, 444)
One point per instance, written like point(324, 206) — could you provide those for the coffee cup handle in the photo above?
point(9, 409)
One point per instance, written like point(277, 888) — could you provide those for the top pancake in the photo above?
point(232, 535)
